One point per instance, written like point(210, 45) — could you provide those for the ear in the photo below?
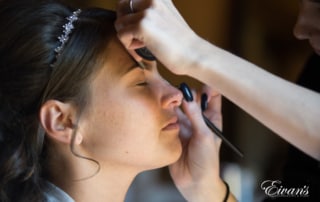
point(58, 120)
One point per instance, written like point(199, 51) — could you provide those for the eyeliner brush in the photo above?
point(220, 135)
point(204, 106)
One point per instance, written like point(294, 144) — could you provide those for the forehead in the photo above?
point(117, 59)
point(114, 65)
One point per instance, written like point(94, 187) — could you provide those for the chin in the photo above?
point(168, 157)
point(175, 155)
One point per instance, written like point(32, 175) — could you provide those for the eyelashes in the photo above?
point(138, 77)
point(141, 80)
point(144, 83)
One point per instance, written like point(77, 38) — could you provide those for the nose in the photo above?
point(300, 30)
point(172, 97)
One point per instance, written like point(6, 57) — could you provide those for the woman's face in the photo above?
point(131, 118)
point(308, 23)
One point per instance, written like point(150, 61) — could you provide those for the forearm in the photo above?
point(287, 109)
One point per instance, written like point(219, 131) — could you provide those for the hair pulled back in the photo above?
point(28, 37)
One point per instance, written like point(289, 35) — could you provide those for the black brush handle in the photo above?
point(187, 94)
point(220, 135)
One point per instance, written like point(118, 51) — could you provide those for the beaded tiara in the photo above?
point(67, 30)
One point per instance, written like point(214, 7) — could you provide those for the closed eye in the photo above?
point(142, 83)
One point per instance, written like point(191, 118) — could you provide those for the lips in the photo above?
point(172, 124)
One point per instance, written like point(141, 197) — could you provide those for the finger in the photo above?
point(123, 6)
point(185, 127)
point(128, 37)
point(214, 103)
point(194, 114)
point(135, 56)
point(210, 91)
point(129, 19)
point(129, 30)
point(201, 133)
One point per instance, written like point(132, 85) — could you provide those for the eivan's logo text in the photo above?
point(273, 188)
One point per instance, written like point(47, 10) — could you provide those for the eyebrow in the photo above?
point(135, 65)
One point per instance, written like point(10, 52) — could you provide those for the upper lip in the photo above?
point(172, 120)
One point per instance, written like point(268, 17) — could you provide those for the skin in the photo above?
point(307, 26)
point(294, 111)
point(156, 122)
point(292, 114)
point(132, 123)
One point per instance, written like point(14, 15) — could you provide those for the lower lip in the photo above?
point(172, 126)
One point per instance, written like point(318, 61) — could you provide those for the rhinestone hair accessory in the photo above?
point(67, 30)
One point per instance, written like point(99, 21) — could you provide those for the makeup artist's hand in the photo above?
point(196, 174)
point(157, 25)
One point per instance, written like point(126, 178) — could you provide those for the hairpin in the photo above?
point(67, 29)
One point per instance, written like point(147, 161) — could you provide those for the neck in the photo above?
point(111, 183)
point(105, 186)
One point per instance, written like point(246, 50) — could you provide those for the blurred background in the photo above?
point(261, 32)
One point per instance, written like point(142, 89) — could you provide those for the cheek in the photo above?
point(118, 131)
point(128, 132)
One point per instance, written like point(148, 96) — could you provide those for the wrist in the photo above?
point(201, 58)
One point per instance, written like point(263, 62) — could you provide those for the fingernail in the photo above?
point(187, 94)
point(145, 54)
point(204, 101)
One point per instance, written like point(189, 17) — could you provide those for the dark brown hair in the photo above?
point(28, 37)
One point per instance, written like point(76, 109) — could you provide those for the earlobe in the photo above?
point(58, 118)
